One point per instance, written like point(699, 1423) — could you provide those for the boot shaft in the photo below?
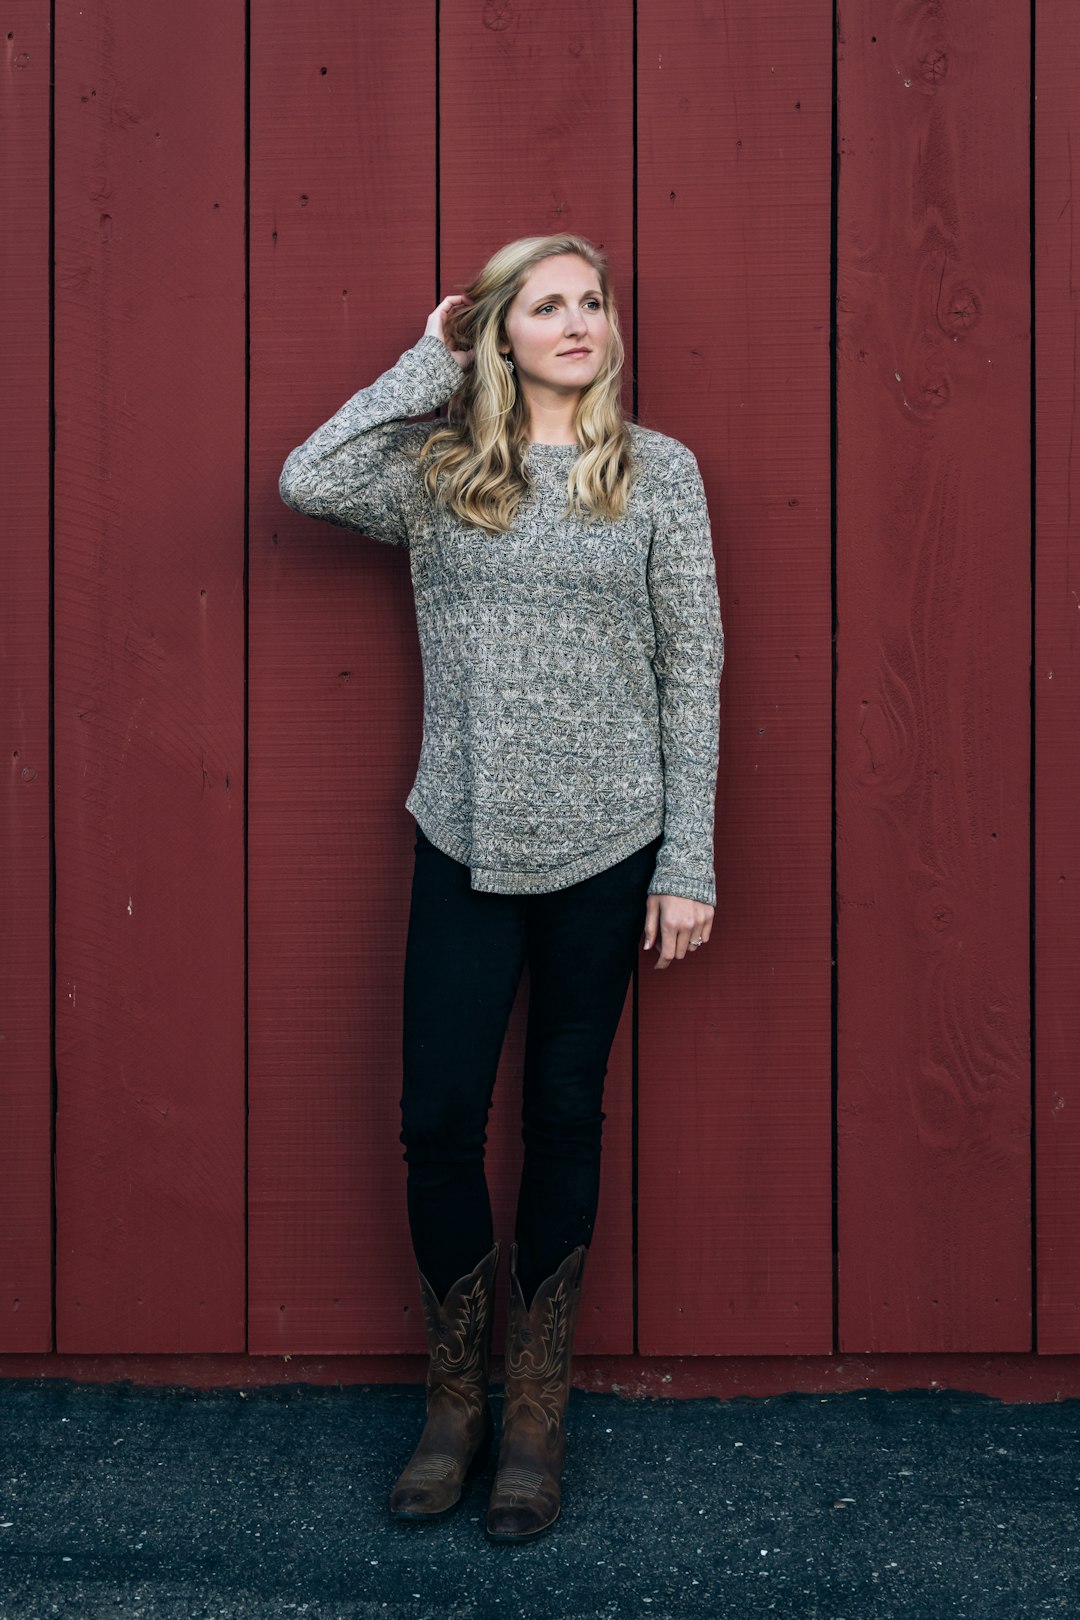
point(459, 1331)
point(527, 1493)
point(539, 1343)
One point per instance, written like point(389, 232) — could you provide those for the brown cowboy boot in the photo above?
point(526, 1495)
point(458, 1429)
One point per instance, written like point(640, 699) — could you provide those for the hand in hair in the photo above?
point(436, 327)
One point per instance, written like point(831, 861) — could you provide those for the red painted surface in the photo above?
point(149, 677)
point(342, 279)
point(25, 943)
point(1056, 673)
point(222, 1222)
point(933, 682)
point(734, 1222)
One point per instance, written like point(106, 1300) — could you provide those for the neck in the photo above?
point(551, 418)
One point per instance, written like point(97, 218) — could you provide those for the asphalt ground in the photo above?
point(182, 1504)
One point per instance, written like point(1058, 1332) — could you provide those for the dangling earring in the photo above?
point(509, 360)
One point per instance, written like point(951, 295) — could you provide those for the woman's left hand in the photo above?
point(680, 923)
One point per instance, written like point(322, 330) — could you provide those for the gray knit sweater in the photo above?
point(571, 670)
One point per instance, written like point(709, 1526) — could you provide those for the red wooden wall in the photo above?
point(933, 574)
point(840, 1128)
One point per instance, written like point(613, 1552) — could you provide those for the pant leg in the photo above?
point(464, 956)
point(581, 945)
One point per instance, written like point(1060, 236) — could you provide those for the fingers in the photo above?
point(652, 913)
point(674, 944)
point(669, 935)
point(443, 309)
point(677, 938)
point(673, 940)
point(436, 321)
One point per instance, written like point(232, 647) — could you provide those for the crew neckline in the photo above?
point(538, 444)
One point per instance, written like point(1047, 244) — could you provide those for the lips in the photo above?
point(573, 354)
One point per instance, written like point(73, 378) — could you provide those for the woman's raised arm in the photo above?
point(352, 471)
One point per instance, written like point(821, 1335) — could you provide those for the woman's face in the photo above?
point(557, 327)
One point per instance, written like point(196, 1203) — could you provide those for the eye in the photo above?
point(595, 302)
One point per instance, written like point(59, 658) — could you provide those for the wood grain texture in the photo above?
point(734, 1215)
point(540, 95)
point(149, 677)
point(26, 1303)
point(363, 213)
point(342, 278)
point(932, 698)
point(1057, 682)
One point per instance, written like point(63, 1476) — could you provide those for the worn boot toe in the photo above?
point(516, 1523)
point(431, 1486)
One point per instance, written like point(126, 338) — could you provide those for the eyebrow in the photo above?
point(554, 298)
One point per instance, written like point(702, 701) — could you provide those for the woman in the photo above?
point(572, 646)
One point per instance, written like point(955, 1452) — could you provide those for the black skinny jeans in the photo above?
point(464, 957)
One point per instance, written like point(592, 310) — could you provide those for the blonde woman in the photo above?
point(572, 645)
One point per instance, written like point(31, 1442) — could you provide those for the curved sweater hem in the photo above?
point(496, 880)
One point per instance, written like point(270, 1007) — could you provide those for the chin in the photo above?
point(582, 375)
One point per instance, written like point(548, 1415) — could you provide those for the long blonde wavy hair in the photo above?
point(475, 459)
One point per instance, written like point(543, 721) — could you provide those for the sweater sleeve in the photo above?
point(688, 662)
point(353, 471)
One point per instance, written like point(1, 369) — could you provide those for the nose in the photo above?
point(574, 324)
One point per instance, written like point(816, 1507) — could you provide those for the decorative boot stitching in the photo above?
point(517, 1482)
point(457, 1339)
point(436, 1467)
point(536, 1378)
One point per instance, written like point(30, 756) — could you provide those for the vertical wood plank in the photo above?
point(25, 937)
point(342, 281)
point(149, 676)
point(734, 1216)
point(550, 82)
point(1057, 683)
point(932, 701)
